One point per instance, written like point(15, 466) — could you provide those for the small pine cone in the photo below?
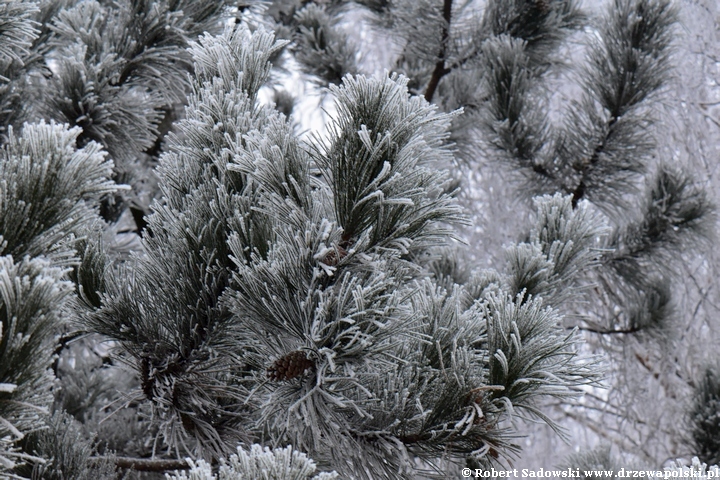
point(290, 366)
point(543, 6)
point(334, 257)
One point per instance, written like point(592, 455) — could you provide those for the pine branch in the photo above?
point(540, 24)
point(66, 449)
point(194, 376)
point(122, 67)
point(51, 189)
point(564, 243)
point(321, 48)
point(17, 30)
point(607, 140)
point(512, 117)
point(271, 464)
point(521, 41)
point(579, 192)
point(32, 294)
point(675, 213)
point(386, 145)
point(18, 37)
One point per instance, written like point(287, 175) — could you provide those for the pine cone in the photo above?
point(290, 366)
point(543, 6)
point(334, 257)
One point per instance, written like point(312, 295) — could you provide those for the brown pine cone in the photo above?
point(334, 257)
point(543, 6)
point(290, 366)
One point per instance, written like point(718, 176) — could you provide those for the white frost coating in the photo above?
point(260, 463)
point(697, 470)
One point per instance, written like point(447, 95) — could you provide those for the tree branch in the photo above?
point(626, 331)
point(579, 192)
point(440, 70)
point(143, 464)
point(62, 343)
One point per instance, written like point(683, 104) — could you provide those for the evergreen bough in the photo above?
point(602, 149)
point(497, 65)
point(49, 191)
point(280, 296)
point(497, 62)
point(705, 418)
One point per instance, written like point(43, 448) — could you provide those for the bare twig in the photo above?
point(598, 331)
point(440, 70)
point(143, 464)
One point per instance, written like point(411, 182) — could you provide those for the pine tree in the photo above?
point(605, 152)
point(17, 57)
point(280, 294)
point(315, 291)
point(499, 62)
point(48, 201)
point(120, 73)
point(602, 153)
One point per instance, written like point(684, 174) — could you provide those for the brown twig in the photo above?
point(143, 464)
point(626, 331)
point(440, 70)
